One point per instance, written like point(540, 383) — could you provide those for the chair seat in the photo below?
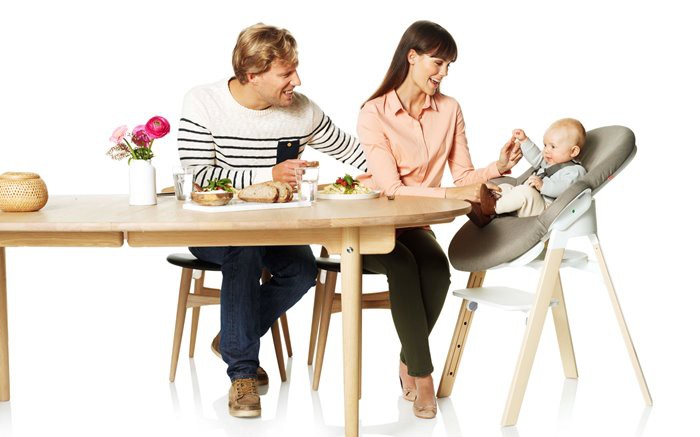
point(505, 298)
point(475, 249)
point(188, 261)
point(333, 265)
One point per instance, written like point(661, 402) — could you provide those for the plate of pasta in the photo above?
point(346, 188)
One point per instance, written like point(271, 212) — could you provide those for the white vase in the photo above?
point(142, 183)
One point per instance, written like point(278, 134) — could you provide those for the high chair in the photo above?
point(541, 243)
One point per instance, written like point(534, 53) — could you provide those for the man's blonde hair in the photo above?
point(575, 126)
point(258, 46)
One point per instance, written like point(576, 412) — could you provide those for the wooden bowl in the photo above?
point(211, 198)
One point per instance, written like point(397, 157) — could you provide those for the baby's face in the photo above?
point(559, 145)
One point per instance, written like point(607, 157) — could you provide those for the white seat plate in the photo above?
point(505, 298)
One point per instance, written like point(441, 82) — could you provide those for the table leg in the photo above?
point(351, 266)
point(4, 351)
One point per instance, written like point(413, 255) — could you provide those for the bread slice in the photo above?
point(263, 193)
point(284, 191)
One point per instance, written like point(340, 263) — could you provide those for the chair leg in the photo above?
point(621, 321)
point(277, 341)
point(325, 320)
point(285, 331)
point(318, 303)
point(454, 355)
point(185, 280)
point(535, 322)
point(198, 285)
point(561, 325)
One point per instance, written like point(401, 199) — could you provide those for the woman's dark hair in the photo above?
point(423, 37)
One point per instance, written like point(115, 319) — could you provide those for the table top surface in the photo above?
point(100, 213)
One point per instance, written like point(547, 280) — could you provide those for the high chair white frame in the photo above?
point(577, 219)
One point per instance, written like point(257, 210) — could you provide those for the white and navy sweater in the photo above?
point(222, 139)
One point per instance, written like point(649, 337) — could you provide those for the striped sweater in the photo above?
point(222, 139)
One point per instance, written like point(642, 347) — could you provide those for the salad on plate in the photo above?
point(346, 185)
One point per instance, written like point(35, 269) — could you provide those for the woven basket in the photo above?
point(22, 192)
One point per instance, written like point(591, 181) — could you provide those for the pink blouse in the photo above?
point(406, 156)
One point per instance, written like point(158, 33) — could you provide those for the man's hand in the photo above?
point(284, 171)
point(509, 156)
point(535, 182)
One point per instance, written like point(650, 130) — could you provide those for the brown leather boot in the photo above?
point(263, 379)
point(482, 213)
point(488, 201)
point(243, 398)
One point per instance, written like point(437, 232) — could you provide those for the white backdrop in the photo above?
point(72, 71)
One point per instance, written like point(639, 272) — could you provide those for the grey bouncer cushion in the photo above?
point(607, 150)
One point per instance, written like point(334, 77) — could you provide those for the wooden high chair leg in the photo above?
point(459, 338)
point(561, 325)
point(278, 349)
point(185, 280)
point(621, 321)
point(533, 331)
point(198, 285)
point(285, 331)
point(316, 316)
point(325, 319)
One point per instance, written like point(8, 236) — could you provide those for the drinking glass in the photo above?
point(182, 179)
point(307, 182)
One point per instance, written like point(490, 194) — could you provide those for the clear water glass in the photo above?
point(182, 179)
point(307, 182)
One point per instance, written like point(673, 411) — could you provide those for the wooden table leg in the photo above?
point(4, 351)
point(351, 266)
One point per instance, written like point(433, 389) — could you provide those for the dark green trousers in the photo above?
point(419, 276)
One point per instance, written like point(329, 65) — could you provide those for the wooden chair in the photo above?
point(541, 243)
point(193, 267)
point(327, 302)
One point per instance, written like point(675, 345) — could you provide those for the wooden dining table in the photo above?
point(349, 228)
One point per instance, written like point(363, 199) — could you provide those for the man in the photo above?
point(253, 128)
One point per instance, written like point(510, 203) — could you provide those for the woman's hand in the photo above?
point(509, 156)
point(470, 192)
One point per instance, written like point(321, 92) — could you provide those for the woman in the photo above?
point(410, 131)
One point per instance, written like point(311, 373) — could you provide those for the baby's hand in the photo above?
point(519, 135)
point(535, 182)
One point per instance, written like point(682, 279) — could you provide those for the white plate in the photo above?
point(339, 196)
point(239, 205)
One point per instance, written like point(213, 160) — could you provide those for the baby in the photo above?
point(555, 170)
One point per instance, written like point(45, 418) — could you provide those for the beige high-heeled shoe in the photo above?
point(425, 411)
point(409, 393)
point(420, 409)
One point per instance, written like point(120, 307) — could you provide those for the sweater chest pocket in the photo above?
point(287, 149)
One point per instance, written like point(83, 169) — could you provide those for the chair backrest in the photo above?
point(607, 151)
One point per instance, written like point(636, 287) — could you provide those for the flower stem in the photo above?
point(131, 149)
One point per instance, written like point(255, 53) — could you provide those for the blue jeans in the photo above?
point(248, 309)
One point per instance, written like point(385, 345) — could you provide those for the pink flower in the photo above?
point(118, 134)
point(157, 127)
point(140, 136)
